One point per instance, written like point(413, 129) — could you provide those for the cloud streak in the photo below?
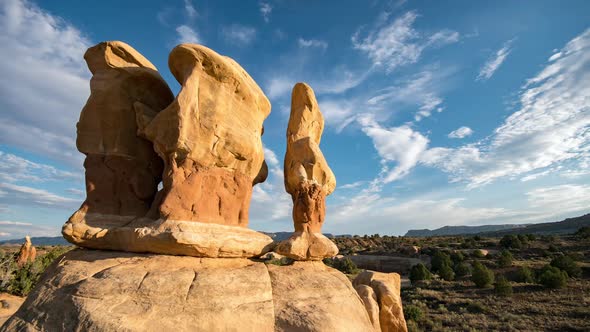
point(494, 62)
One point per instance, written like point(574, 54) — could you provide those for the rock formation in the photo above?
point(382, 291)
point(307, 178)
point(95, 290)
point(205, 145)
point(27, 253)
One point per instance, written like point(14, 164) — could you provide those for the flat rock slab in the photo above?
point(173, 237)
point(93, 290)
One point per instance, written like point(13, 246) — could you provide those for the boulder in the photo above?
point(369, 299)
point(95, 290)
point(308, 179)
point(27, 253)
point(387, 287)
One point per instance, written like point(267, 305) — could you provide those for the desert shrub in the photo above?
point(476, 308)
point(414, 313)
point(419, 272)
point(446, 272)
point(344, 265)
point(462, 269)
point(477, 238)
point(502, 286)
point(583, 232)
point(531, 237)
point(478, 254)
point(524, 274)
point(567, 264)
point(439, 260)
point(552, 248)
point(505, 259)
point(469, 243)
point(511, 241)
point(524, 240)
point(481, 275)
point(457, 257)
point(552, 277)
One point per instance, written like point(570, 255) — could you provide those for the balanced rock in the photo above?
point(307, 178)
point(386, 293)
point(93, 290)
point(205, 146)
point(27, 253)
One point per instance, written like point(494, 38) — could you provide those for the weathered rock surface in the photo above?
point(122, 169)
point(207, 142)
point(103, 291)
point(209, 138)
point(169, 237)
point(27, 252)
point(369, 299)
point(307, 178)
point(9, 304)
point(386, 287)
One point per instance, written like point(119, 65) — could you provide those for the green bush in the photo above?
point(552, 277)
point(412, 312)
point(419, 272)
point(524, 274)
point(446, 272)
point(524, 240)
point(583, 232)
point(457, 257)
point(567, 264)
point(511, 241)
point(476, 308)
point(505, 259)
point(531, 237)
point(502, 286)
point(344, 265)
point(481, 275)
point(462, 269)
point(439, 260)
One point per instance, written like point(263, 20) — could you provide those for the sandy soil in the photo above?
point(13, 302)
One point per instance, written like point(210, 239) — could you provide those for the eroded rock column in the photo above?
point(307, 178)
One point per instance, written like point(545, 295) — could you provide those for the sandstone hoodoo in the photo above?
point(205, 146)
point(307, 178)
point(27, 252)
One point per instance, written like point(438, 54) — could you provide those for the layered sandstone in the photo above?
point(94, 290)
point(205, 146)
point(385, 294)
point(27, 252)
point(308, 179)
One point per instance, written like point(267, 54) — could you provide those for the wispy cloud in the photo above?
point(189, 9)
point(395, 44)
point(28, 196)
point(265, 10)
point(552, 125)
point(238, 34)
point(18, 229)
point(461, 132)
point(312, 43)
point(187, 35)
point(14, 169)
point(39, 49)
point(494, 62)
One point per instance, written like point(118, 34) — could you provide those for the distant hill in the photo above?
point(40, 241)
point(566, 226)
point(280, 236)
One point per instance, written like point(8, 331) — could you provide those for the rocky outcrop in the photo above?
point(205, 145)
point(27, 253)
point(307, 178)
point(95, 290)
point(386, 292)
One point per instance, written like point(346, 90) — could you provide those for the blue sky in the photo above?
point(461, 113)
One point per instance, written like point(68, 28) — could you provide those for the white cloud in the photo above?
point(27, 196)
point(551, 126)
point(561, 198)
point(461, 132)
point(265, 10)
point(401, 145)
point(494, 62)
point(189, 9)
point(39, 49)
point(396, 44)
point(279, 86)
point(306, 43)
point(239, 34)
point(187, 35)
point(17, 229)
point(14, 168)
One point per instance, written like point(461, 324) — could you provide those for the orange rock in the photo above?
point(27, 253)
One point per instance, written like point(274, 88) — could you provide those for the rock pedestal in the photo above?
point(27, 253)
point(95, 290)
point(307, 178)
point(204, 145)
